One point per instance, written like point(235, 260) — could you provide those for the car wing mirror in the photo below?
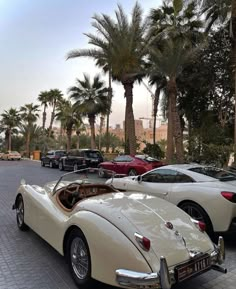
point(139, 179)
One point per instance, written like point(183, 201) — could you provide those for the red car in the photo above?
point(129, 165)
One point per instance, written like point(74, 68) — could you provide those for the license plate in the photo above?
point(192, 268)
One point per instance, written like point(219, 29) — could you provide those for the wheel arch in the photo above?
point(195, 203)
point(102, 237)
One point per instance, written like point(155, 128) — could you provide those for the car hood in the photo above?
point(147, 215)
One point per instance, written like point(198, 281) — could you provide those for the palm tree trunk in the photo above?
point(51, 121)
point(28, 143)
point(92, 127)
point(130, 138)
point(170, 140)
point(176, 123)
point(233, 36)
point(155, 106)
point(78, 139)
point(108, 113)
point(9, 140)
point(68, 141)
point(100, 131)
point(44, 117)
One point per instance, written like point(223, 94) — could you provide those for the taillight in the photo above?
point(200, 225)
point(229, 196)
point(143, 242)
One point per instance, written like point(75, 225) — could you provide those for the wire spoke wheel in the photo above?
point(79, 258)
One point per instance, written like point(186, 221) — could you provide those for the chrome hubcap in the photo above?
point(20, 213)
point(193, 212)
point(79, 258)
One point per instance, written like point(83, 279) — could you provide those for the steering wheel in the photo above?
point(74, 195)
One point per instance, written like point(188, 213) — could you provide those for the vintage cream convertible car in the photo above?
point(126, 239)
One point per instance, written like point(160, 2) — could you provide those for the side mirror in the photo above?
point(139, 179)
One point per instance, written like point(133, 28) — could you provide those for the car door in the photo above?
point(69, 160)
point(157, 182)
point(48, 218)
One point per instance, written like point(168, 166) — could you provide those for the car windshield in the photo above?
point(84, 176)
point(214, 172)
point(146, 158)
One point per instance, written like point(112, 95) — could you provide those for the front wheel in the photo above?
point(42, 164)
point(20, 212)
point(78, 257)
point(197, 213)
point(51, 164)
point(61, 167)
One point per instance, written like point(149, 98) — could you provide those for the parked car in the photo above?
point(207, 194)
point(11, 155)
point(123, 239)
point(72, 161)
point(92, 157)
point(52, 158)
point(130, 165)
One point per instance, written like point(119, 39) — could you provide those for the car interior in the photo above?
point(69, 196)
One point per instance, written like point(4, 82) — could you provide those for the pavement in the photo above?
point(28, 262)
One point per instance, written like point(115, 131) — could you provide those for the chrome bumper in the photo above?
point(165, 278)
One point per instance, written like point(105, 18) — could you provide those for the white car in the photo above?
point(207, 194)
point(123, 239)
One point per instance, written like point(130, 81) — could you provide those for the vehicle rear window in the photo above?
point(214, 172)
point(93, 154)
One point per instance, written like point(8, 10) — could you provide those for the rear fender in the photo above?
point(109, 248)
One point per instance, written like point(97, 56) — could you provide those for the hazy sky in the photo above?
point(36, 35)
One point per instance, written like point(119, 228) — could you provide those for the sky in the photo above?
point(35, 37)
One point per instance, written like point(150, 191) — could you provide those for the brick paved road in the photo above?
point(28, 262)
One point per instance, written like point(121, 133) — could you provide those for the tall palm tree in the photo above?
point(120, 47)
point(54, 97)
point(90, 100)
point(69, 117)
point(176, 31)
point(9, 122)
point(29, 114)
point(44, 99)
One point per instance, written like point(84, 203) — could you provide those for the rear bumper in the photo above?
point(165, 278)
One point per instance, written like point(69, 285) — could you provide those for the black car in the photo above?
point(72, 161)
point(92, 157)
point(52, 158)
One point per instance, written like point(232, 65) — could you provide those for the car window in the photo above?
point(146, 158)
point(160, 176)
point(93, 154)
point(50, 154)
point(119, 159)
point(60, 153)
point(214, 172)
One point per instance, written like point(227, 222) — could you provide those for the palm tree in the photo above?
point(29, 114)
point(54, 97)
point(44, 99)
point(120, 48)
point(176, 31)
point(9, 122)
point(90, 100)
point(69, 118)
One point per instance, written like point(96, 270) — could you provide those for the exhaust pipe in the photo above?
point(219, 268)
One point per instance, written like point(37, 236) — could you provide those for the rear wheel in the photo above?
point(78, 257)
point(61, 167)
point(132, 172)
point(199, 214)
point(75, 167)
point(20, 212)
